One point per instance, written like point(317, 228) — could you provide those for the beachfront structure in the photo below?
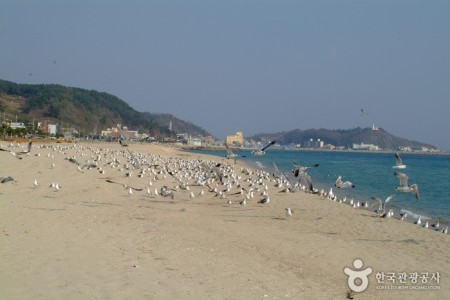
point(238, 138)
point(114, 132)
point(47, 127)
point(195, 142)
point(17, 125)
point(314, 144)
point(366, 147)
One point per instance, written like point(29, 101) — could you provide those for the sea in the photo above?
point(371, 173)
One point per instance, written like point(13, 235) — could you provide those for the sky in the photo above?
point(255, 66)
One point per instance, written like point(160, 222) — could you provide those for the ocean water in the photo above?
point(372, 174)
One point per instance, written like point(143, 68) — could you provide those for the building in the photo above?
point(195, 142)
point(116, 132)
point(238, 138)
point(52, 129)
point(366, 147)
point(314, 144)
point(17, 125)
point(209, 140)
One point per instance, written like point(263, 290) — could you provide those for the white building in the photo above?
point(52, 128)
point(366, 147)
point(17, 125)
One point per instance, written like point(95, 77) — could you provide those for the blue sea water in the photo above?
point(372, 174)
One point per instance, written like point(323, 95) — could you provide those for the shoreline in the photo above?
point(220, 148)
point(398, 211)
point(94, 240)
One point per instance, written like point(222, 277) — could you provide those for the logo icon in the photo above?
point(360, 274)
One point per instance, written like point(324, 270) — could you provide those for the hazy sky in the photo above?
point(255, 66)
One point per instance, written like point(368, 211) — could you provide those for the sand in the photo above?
point(93, 240)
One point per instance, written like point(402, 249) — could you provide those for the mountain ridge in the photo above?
point(342, 137)
point(86, 109)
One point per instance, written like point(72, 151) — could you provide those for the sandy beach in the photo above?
point(92, 239)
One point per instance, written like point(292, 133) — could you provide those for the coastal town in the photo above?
point(59, 132)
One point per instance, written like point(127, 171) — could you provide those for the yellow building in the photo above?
point(238, 138)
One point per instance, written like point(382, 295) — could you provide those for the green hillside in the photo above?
point(86, 110)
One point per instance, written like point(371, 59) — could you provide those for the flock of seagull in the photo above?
point(176, 175)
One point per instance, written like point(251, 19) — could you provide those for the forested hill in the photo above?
point(345, 138)
point(88, 110)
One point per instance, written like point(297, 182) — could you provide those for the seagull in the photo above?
point(299, 168)
point(123, 141)
point(264, 200)
point(363, 113)
point(231, 153)
point(56, 187)
point(303, 176)
point(243, 202)
point(166, 192)
point(340, 184)
point(35, 183)
point(404, 216)
point(437, 225)
point(330, 194)
point(5, 179)
point(382, 208)
point(124, 185)
point(289, 212)
point(398, 162)
point(18, 155)
point(404, 187)
point(261, 151)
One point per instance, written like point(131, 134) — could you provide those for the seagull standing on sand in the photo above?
point(261, 151)
point(289, 212)
point(404, 187)
point(264, 200)
point(398, 162)
point(166, 192)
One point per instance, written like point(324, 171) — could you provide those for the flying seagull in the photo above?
point(261, 151)
point(382, 204)
point(123, 140)
point(299, 168)
point(231, 153)
point(19, 154)
point(398, 162)
point(343, 184)
point(4, 179)
point(124, 185)
point(404, 187)
point(363, 113)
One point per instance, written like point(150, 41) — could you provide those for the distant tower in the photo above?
point(170, 125)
